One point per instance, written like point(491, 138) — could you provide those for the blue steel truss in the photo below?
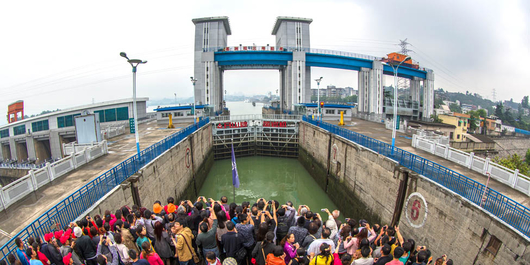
point(281, 58)
point(504, 208)
point(79, 201)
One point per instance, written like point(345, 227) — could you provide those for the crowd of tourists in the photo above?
point(217, 233)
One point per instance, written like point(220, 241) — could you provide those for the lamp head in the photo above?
point(124, 55)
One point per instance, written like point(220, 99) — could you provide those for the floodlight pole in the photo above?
point(394, 122)
point(318, 97)
point(134, 63)
point(193, 80)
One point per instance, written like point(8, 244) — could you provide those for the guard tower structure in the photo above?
point(210, 34)
point(292, 33)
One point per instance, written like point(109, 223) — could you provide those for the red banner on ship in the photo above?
point(228, 125)
point(274, 124)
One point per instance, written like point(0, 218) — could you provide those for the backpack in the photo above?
point(282, 228)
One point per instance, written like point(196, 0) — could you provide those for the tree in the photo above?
point(527, 157)
point(508, 117)
point(436, 119)
point(474, 119)
point(514, 162)
point(455, 108)
point(499, 111)
point(481, 113)
point(437, 102)
point(524, 102)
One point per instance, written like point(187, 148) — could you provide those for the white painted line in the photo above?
point(4, 233)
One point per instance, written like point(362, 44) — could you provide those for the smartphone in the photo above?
point(347, 220)
point(323, 210)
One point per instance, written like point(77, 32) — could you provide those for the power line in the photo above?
point(103, 81)
point(100, 65)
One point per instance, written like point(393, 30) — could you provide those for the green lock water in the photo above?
point(272, 178)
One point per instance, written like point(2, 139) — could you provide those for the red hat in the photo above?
point(68, 232)
point(48, 237)
point(66, 259)
point(58, 234)
point(64, 239)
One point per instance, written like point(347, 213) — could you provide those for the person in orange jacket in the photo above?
point(277, 257)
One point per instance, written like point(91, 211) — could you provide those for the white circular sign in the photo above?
point(416, 210)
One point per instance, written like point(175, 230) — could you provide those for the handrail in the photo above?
point(504, 208)
point(80, 200)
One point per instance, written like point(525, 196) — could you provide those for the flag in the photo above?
point(235, 176)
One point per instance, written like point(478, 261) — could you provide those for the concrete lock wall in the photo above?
point(364, 184)
point(179, 172)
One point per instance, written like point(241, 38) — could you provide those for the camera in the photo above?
point(323, 210)
point(270, 202)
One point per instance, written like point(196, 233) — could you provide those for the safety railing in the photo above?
point(80, 200)
point(504, 208)
point(509, 177)
point(21, 166)
point(36, 178)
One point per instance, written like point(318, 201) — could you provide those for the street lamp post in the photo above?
point(318, 96)
point(194, 110)
point(394, 123)
point(134, 63)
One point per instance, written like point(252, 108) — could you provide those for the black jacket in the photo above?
point(232, 243)
point(86, 247)
point(55, 256)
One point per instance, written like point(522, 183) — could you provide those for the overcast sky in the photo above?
point(60, 54)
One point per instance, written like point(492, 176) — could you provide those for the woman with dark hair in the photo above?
point(122, 249)
point(117, 216)
point(125, 211)
point(149, 255)
point(344, 233)
point(40, 255)
point(289, 247)
point(126, 236)
point(142, 236)
point(324, 258)
point(263, 228)
point(232, 211)
point(263, 248)
point(352, 244)
point(162, 243)
point(221, 226)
